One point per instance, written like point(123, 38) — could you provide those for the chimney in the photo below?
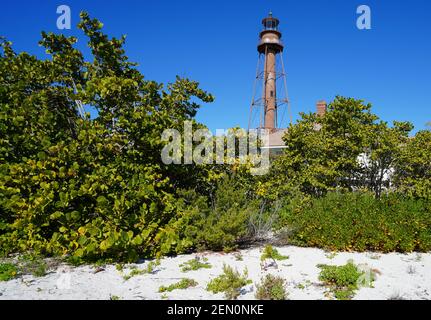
point(321, 108)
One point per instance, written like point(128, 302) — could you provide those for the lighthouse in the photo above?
point(270, 106)
point(270, 89)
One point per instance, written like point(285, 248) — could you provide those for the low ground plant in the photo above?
point(135, 271)
point(344, 280)
point(238, 256)
point(271, 288)
point(183, 284)
point(8, 271)
point(269, 252)
point(33, 264)
point(230, 282)
point(195, 264)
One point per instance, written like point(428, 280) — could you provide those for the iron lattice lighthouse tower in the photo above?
point(270, 99)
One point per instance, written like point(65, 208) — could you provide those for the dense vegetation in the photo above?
point(96, 188)
point(358, 221)
point(92, 188)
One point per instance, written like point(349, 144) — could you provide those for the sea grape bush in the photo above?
point(90, 188)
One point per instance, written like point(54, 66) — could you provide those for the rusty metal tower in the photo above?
point(270, 99)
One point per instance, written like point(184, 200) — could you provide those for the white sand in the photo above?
point(405, 276)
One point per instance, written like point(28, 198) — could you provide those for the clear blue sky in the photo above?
point(214, 42)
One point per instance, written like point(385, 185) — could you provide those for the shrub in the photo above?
point(357, 221)
point(8, 271)
point(219, 225)
point(183, 284)
point(195, 264)
point(271, 288)
point(230, 282)
point(269, 252)
point(343, 281)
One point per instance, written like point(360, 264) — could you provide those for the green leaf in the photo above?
point(56, 215)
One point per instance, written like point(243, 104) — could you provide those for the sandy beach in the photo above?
point(397, 276)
